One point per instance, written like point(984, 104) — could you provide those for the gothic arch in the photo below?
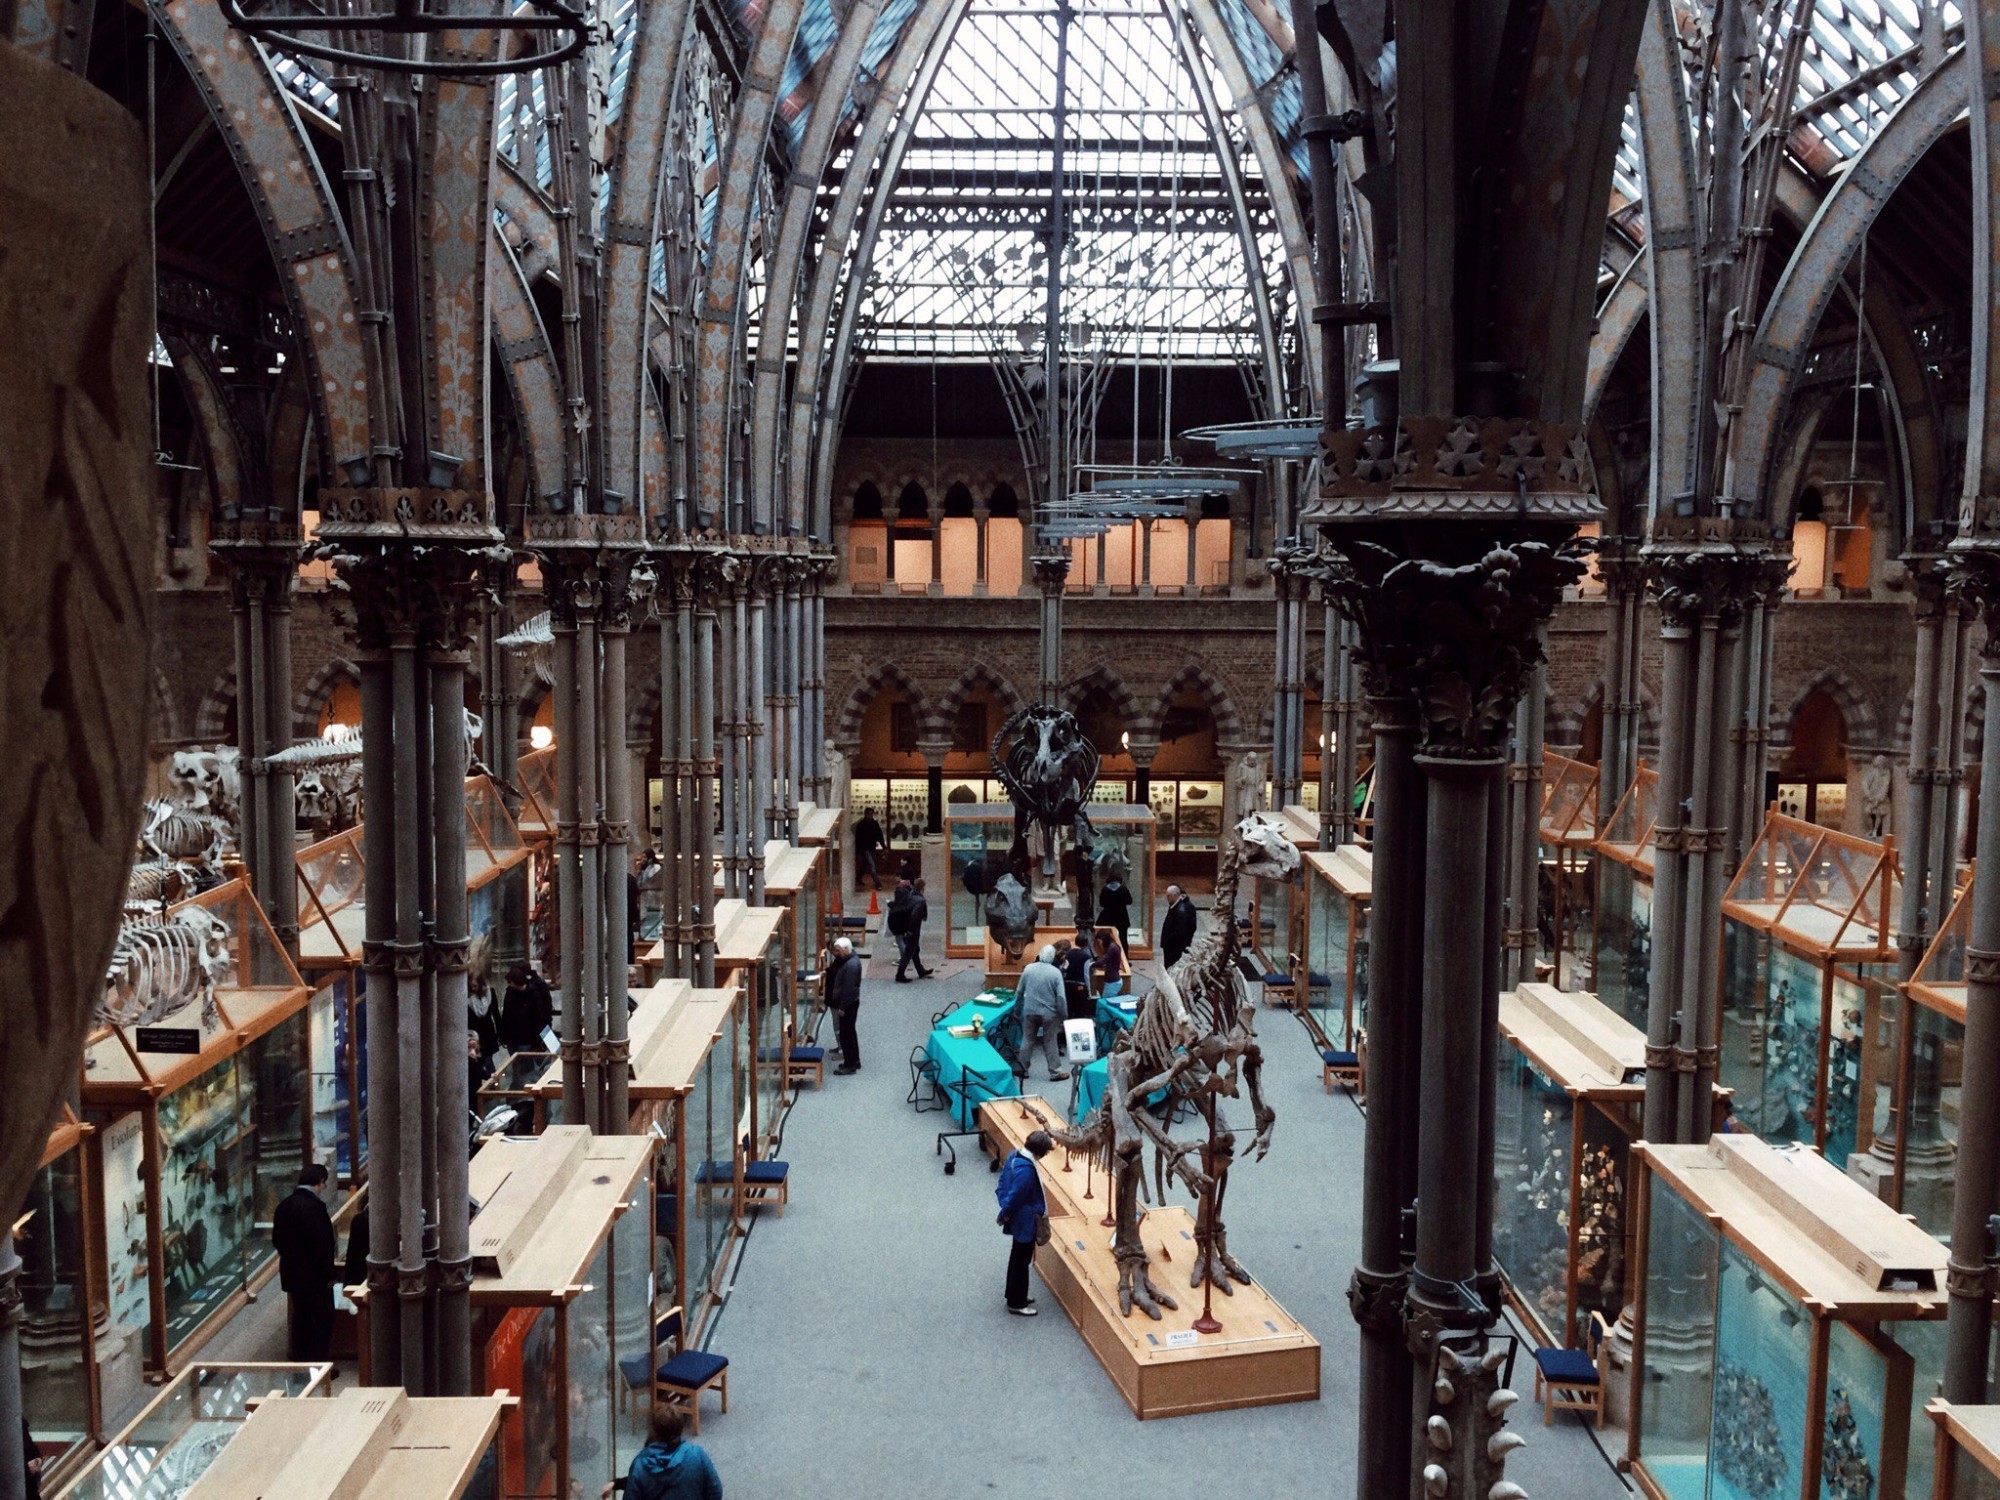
point(1565, 727)
point(1863, 723)
point(1197, 674)
point(1101, 678)
point(211, 719)
point(854, 703)
point(319, 687)
point(978, 675)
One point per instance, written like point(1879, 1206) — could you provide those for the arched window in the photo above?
point(912, 562)
point(1812, 778)
point(868, 552)
point(867, 502)
point(1003, 542)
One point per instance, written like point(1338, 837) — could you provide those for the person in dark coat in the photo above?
point(843, 998)
point(1021, 1208)
point(302, 1233)
point(668, 1468)
point(1177, 932)
point(1074, 961)
point(898, 921)
point(920, 913)
point(1114, 909)
point(526, 1011)
point(868, 837)
point(354, 1270)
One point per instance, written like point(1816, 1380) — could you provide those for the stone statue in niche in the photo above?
point(76, 570)
point(839, 775)
point(1247, 775)
point(1878, 789)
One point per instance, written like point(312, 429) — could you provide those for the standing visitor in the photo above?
point(897, 921)
point(668, 1468)
point(843, 998)
point(1110, 964)
point(302, 1233)
point(1074, 961)
point(1023, 1216)
point(526, 1010)
point(868, 837)
point(920, 913)
point(1114, 909)
point(1039, 993)
point(1177, 932)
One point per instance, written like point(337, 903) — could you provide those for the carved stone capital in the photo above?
point(1429, 468)
point(261, 559)
point(1714, 570)
point(418, 582)
point(1377, 1301)
point(1051, 570)
point(1975, 577)
point(1450, 614)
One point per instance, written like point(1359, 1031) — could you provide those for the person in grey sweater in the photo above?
point(1039, 993)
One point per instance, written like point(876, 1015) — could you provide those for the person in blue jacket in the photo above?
point(669, 1469)
point(1021, 1208)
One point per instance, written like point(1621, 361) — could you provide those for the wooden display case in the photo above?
point(1809, 1008)
point(205, 1118)
point(1621, 938)
point(1923, 1149)
point(1568, 840)
point(1789, 1332)
point(1570, 1086)
point(62, 1298)
point(1339, 886)
point(748, 957)
point(794, 882)
point(1968, 1452)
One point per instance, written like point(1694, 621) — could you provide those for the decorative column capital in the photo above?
point(1975, 581)
point(1620, 566)
point(1432, 468)
point(261, 559)
point(409, 579)
point(1712, 568)
point(595, 565)
point(1051, 570)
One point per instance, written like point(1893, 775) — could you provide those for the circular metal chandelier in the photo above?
point(551, 32)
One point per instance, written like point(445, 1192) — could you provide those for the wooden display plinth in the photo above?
point(1262, 1356)
point(1001, 971)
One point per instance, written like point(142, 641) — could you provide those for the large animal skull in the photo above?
point(1010, 916)
point(1267, 853)
point(206, 780)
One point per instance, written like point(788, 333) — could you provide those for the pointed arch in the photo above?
point(854, 703)
point(318, 689)
point(976, 676)
point(1101, 678)
point(1198, 675)
point(1863, 723)
point(218, 707)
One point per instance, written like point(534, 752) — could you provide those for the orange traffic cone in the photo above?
point(874, 903)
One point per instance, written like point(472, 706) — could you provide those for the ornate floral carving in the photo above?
point(1455, 466)
point(1719, 577)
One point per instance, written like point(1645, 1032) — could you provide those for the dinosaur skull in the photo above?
point(1267, 853)
point(1048, 738)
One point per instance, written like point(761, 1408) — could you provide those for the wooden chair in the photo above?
point(1340, 1066)
point(682, 1376)
point(765, 1184)
point(1574, 1379)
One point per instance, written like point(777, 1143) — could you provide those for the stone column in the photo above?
point(1970, 1279)
point(1522, 941)
point(1051, 570)
point(1618, 715)
point(1706, 576)
point(1142, 753)
point(1448, 602)
point(934, 749)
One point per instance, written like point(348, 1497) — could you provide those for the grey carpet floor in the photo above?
point(871, 1354)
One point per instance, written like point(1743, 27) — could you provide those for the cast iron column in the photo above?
point(1051, 573)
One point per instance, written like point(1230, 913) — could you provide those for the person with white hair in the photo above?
point(843, 998)
point(1039, 994)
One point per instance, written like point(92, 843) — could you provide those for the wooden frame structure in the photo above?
point(1788, 1325)
point(1968, 1450)
point(1923, 1159)
point(1568, 823)
point(1621, 936)
point(60, 1302)
point(1340, 885)
point(149, 1069)
point(1817, 907)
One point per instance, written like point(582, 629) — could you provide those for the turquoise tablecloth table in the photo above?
point(1089, 1087)
point(969, 1069)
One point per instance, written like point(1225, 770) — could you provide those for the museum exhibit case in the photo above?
point(749, 956)
point(1124, 837)
point(562, 1291)
point(165, 1449)
point(1571, 1081)
point(1187, 816)
point(1565, 883)
point(535, 774)
point(825, 828)
point(332, 876)
point(1621, 938)
point(496, 873)
point(902, 805)
point(205, 1106)
point(978, 836)
point(61, 1302)
point(1789, 1332)
point(1809, 1006)
point(1968, 1452)
point(337, 1026)
point(1276, 925)
point(1339, 885)
point(793, 877)
point(1924, 1143)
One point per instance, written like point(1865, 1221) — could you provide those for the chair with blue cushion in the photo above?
point(1573, 1379)
point(764, 1182)
point(1337, 1065)
point(682, 1376)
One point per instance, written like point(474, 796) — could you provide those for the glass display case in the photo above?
point(1122, 845)
point(535, 774)
point(792, 880)
point(1622, 932)
point(978, 836)
point(902, 806)
point(1571, 1082)
point(1276, 916)
point(1339, 885)
point(1564, 885)
point(562, 1291)
point(748, 954)
point(1787, 1335)
point(1924, 1148)
point(332, 878)
point(167, 1447)
point(1968, 1452)
point(338, 1025)
point(58, 1307)
point(1808, 1012)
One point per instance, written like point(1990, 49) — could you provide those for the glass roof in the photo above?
point(1154, 264)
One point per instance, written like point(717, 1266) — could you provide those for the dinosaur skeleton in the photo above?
point(158, 968)
point(1195, 1043)
point(326, 790)
point(1047, 766)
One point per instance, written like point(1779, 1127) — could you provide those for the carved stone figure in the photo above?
point(76, 568)
point(1195, 1037)
point(1047, 766)
point(158, 969)
point(1878, 788)
point(1245, 794)
point(839, 775)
